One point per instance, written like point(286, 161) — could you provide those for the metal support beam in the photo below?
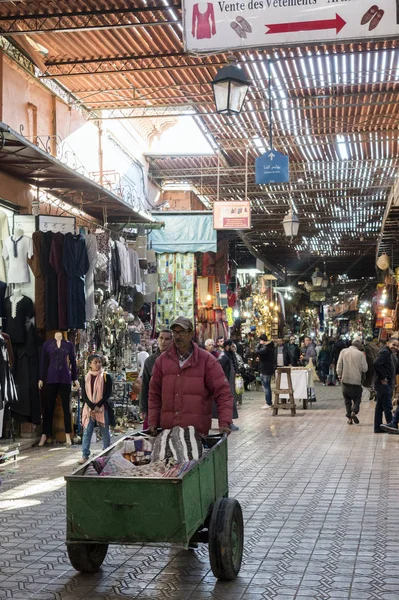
point(309, 102)
point(110, 59)
point(180, 110)
point(177, 66)
point(69, 22)
point(281, 276)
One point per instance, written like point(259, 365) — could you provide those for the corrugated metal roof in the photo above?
point(335, 112)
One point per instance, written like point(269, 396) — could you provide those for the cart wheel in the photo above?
point(87, 558)
point(226, 538)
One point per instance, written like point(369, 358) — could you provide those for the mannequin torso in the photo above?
point(63, 372)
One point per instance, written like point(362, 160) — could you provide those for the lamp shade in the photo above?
point(291, 224)
point(230, 87)
point(317, 278)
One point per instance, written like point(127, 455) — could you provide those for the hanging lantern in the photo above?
point(291, 224)
point(317, 278)
point(230, 87)
point(326, 281)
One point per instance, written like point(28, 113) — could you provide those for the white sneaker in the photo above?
point(266, 407)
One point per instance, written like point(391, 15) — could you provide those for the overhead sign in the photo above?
point(227, 24)
point(272, 167)
point(232, 215)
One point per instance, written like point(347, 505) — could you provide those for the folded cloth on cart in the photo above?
point(180, 445)
point(138, 451)
point(118, 466)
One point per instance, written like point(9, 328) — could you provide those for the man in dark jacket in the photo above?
point(385, 368)
point(229, 365)
point(164, 341)
point(267, 365)
point(282, 358)
point(293, 352)
point(371, 350)
point(184, 381)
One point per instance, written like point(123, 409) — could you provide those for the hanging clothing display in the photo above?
point(51, 282)
point(135, 269)
point(18, 251)
point(76, 265)
point(115, 270)
point(4, 233)
point(26, 376)
point(58, 364)
point(8, 393)
point(125, 274)
point(175, 287)
point(102, 267)
point(91, 247)
point(18, 310)
point(40, 289)
point(3, 288)
point(56, 261)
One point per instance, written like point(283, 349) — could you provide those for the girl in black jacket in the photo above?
point(97, 408)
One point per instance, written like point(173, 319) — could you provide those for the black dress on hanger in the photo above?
point(51, 282)
point(15, 326)
point(26, 375)
point(76, 265)
point(8, 393)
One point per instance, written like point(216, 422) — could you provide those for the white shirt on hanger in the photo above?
point(18, 270)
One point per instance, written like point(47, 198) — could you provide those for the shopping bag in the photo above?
point(239, 387)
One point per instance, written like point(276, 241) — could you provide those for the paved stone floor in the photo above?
point(320, 505)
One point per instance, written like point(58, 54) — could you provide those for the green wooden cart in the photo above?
point(188, 509)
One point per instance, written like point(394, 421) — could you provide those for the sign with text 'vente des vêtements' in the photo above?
point(225, 24)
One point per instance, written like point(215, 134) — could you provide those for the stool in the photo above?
point(282, 402)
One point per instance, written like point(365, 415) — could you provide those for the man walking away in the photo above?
point(229, 365)
point(164, 341)
point(293, 352)
point(324, 361)
point(371, 349)
point(350, 367)
point(385, 368)
point(267, 366)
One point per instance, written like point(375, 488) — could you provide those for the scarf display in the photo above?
point(94, 397)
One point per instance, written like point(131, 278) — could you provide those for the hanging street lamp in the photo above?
point(230, 87)
point(291, 224)
point(317, 278)
point(326, 281)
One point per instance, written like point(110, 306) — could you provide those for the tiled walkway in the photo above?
point(320, 501)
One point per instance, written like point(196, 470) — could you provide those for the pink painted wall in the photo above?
point(20, 89)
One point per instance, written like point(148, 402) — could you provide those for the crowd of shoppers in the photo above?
point(224, 368)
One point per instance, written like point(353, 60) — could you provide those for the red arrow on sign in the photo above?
point(338, 23)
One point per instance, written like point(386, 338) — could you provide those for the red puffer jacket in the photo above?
point(183, 396)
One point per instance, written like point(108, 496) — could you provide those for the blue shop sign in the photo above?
point(272, 167)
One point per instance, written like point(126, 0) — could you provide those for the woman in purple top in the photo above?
point(58, 370)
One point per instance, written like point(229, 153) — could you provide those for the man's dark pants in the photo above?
point(383, 405)
point(353, 396)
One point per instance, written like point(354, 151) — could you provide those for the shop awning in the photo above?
point(185, 232)
point(27, 162)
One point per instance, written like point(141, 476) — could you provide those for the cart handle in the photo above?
point(120, 504)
